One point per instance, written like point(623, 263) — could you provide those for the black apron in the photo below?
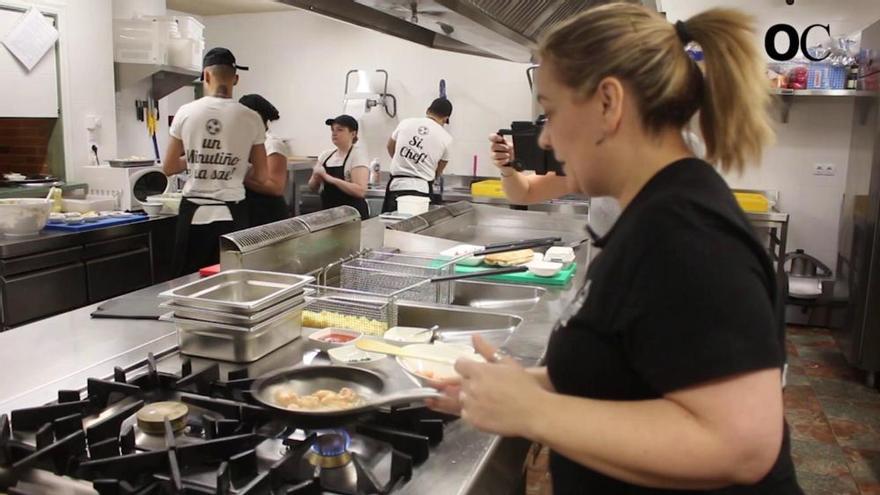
point(263, 208)
point(182, 264)
point(389, 204)
point(332, 196)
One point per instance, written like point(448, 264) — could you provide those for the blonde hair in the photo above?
point(642, 49)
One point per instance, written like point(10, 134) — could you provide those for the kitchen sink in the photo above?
point(458, 324)
point(483, 295)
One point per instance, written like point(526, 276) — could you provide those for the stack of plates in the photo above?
point(238, 315)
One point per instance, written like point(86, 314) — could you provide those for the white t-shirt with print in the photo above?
point(358, 158)
point(421, 144)
point(217, 134)
point(275, 144)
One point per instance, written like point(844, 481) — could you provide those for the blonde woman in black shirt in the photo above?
point(665, 375)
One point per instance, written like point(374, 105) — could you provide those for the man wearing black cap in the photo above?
point(214, 138)
point(419, 150)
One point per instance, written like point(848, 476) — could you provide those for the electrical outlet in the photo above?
point(824, 169)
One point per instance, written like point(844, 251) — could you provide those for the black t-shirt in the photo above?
point(681, 293)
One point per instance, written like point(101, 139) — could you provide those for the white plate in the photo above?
point(429, 373)
point(352, 356)
point(407, 335)
point(463, 249)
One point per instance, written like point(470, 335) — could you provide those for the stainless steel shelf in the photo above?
point(164, 79)
point(788, 96)
point(823, 92)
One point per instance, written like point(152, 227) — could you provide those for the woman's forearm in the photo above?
point(655, 443)
point(543, 378)
point(531, 189)
point(314, 183)
point(516, 186)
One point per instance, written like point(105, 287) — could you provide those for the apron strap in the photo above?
point(185, 215)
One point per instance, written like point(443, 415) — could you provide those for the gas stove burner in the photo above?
point(151, 418)
point(330, 449)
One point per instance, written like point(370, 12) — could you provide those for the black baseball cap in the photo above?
point(441, 107)
point(260, 105)
point(345, 121)
point(220, 56)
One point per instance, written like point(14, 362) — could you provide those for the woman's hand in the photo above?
point(502, 151)
point(499, 397)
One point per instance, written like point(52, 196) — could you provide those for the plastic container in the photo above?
point(189, 28)
point(488, 189)
point(413, 205)
point(141, 41)
point(753, 202)
point(186, 53)
point(91, 203)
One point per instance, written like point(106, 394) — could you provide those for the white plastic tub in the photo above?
point(91, 203)
point(413, 205)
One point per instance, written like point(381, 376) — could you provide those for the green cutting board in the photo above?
point(560, 279)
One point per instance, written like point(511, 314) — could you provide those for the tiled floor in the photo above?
point(834, 418)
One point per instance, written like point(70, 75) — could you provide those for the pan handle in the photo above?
point(519, 243)
point(516, 246)
point(404, 396)
point(483, 273)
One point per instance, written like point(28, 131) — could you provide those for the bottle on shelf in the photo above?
point(852, 77)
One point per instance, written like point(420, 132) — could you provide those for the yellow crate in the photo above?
point(488, 189)
point(753, 202)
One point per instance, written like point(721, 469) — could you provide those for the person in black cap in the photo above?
point(214, 138)
point(343, 171)
point(266, 199)
point(419, 150)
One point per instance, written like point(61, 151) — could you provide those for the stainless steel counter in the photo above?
point(61, 352)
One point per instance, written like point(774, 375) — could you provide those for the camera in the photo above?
point(529, 154)
point(789, 2)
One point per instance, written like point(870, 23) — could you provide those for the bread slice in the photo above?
point(510, 258)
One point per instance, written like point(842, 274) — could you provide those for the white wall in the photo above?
point(298, 61)
point(86, 74)
point(818, 130)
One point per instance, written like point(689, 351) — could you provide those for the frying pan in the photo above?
point(370, 386)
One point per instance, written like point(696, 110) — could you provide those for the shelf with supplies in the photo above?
point(164, 79)
point(788, 96)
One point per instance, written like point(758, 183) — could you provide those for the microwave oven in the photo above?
point(131, 186)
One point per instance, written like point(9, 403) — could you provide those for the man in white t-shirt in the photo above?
point(214, 137)
point(419, 150)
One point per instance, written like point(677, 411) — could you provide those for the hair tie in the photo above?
point(682, 31)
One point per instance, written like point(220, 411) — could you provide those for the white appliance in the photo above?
point(129, 185)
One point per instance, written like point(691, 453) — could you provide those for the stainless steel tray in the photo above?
point(243, 292)
point(233, 318)
point(238, 344)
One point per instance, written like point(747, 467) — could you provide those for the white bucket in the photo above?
point(412, 205)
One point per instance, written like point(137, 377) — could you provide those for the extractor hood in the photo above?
point(505, 29)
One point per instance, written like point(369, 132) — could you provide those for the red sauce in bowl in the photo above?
point(337, 338)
